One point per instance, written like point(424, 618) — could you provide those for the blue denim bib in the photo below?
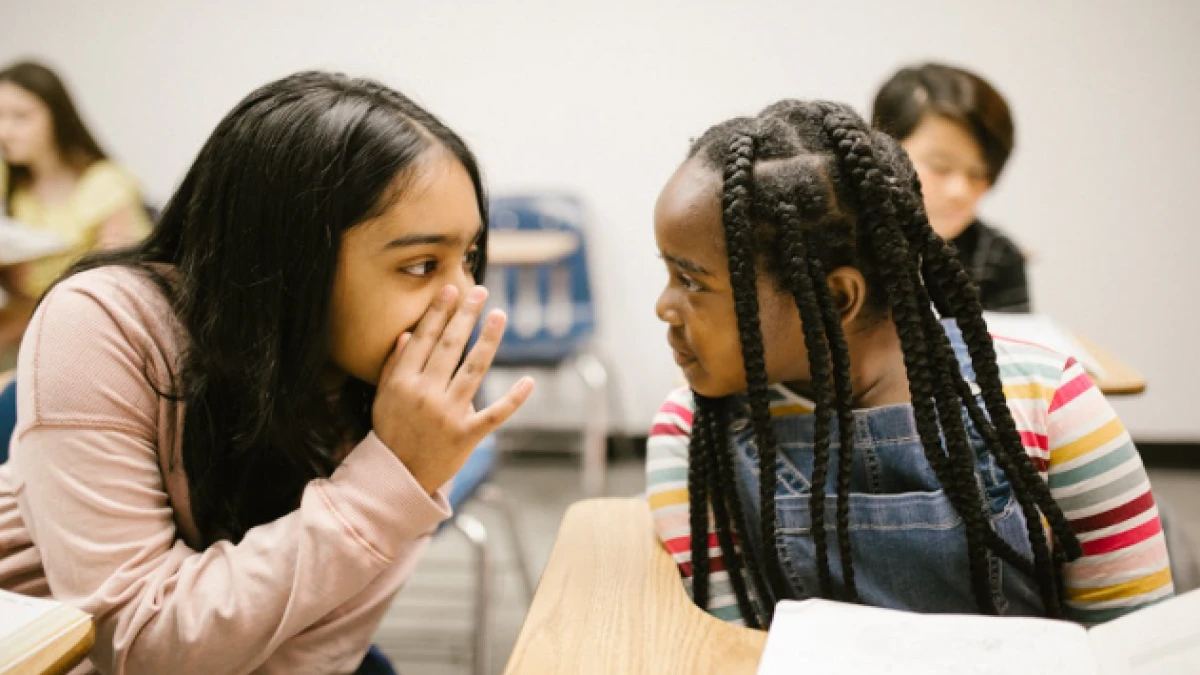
point(908, 543)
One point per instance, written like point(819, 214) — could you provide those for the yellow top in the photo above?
point(104, 190)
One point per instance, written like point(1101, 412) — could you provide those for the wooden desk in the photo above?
point(1120, 379)
point(611, 601)
point(57, 656)
point(530, 247)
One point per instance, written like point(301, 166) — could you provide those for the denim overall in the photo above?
point(909, 545)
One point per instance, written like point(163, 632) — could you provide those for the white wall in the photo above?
point(603, 98)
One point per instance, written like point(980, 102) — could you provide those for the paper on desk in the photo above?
point(1042, 330)
point(819, 636)
point(22, 243)
point(1163, 639)
point(18, 611)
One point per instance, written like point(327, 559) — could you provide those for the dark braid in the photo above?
point(969, 316)
point(743, 276)
point(809, 188)
point(945, 273)
point(845, 405)
point(797, 267)
point(711, 474)
point(852, 145)
point(699, 451)
point(1025, 487)
point(736, 514)
point(720, 466)
point(938, 257)
point(952, 378)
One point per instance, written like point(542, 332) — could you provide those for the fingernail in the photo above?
point(477, 294)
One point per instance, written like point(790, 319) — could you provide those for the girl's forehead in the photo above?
point(13, 94)
point(687, 217)
point(691, 199)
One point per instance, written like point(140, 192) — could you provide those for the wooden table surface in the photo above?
point(57, 656)
point(611, 601)
point(1120, 379)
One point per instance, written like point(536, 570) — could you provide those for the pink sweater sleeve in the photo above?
point(94, 500)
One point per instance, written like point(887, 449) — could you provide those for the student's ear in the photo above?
point(848, 287)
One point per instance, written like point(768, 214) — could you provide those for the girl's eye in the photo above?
point(421, 269)
point(471, 259)
point(689, 284)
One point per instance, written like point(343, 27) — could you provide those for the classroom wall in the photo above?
point(602, 99)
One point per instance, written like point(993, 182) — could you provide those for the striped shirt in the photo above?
point(1076, 442)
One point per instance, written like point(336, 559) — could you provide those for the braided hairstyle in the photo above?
point(809, 187)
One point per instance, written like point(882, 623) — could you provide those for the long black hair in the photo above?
point(250, 245)
point(809, 187)
point(74, 142)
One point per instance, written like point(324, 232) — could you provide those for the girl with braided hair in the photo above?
point(837, 438)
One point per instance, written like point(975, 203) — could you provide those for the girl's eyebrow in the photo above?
point(686, 265)
point(427, 239)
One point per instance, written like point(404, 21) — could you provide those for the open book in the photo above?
point(41, 636)
point(1041, 329)
point(21, 243)
point(831, 638)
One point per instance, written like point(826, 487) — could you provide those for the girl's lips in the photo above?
point(683, 359)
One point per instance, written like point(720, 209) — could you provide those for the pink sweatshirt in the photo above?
point(94, 512)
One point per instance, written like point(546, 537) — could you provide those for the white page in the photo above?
point(22, 243)
point(1041, 329)
point(17, 611)
point(1159, 640)
point(818, 636)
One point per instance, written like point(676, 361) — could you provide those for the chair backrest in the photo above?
point(8, 413)
point(550, 307)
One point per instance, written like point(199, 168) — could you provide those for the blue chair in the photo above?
point(472, 483)
point(552, 315)
point(375, 663)
point(8, 415)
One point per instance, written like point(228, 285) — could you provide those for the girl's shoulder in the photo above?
point(674, 416)
point(124, 292)
point(104, 189)
point(1021, 363)
point(106, 174)
point(100, 345)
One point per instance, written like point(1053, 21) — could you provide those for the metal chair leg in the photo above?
point(616, 403)
point(494, 497)
point(476, 534)
point(595, 431)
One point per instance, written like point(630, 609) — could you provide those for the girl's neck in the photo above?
point(877, 373)
point(52, 178)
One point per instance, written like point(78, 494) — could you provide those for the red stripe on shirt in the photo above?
point(672, 408)
point(1005, 338)
point(1031, 439)
point(1071, 390)
point(1113, 516)
point(1123, 540)
point(667, 429)
point(684, 545)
